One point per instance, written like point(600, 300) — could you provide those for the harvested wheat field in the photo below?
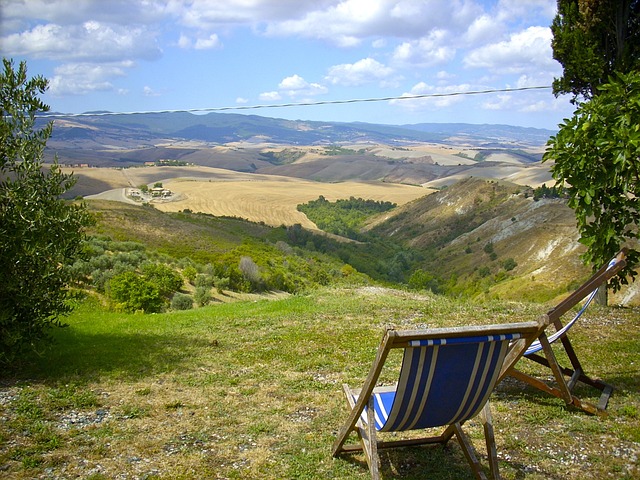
point(273, 199)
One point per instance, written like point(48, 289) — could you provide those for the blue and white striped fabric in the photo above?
point(442, 381)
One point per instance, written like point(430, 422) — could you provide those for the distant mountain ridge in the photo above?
point(224, 128)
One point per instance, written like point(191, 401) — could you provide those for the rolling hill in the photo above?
point(434, 154)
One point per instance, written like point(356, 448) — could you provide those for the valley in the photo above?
point(461, 190)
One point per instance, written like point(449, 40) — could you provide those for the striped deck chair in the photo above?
point(541, 352)
point(446, 378)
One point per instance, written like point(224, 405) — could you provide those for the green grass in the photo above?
point(253, 390)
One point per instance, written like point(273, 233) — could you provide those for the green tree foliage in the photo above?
point(546, 192)
point(509, 264)
point(592, 39)
point(165, 278)
point(343, 217)
point(597, 160)
point(181, 301)
point(132, 293)
point(149, 291)
point(39, 232)
point(423, 280)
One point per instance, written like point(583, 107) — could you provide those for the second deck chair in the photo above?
point(542, 353)
point(445, 379)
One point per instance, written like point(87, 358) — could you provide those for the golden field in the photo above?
point(273, 199)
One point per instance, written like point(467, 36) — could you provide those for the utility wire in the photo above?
point(300, 104)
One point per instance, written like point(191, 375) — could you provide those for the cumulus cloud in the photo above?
point(442, 96)
point(296, 86)
point(212, 41)
point(483, 29)
point(81, 78)
point(526, 50)
point(361, 72)
point(434, 49)
point(509, 11)
point(90, 41)
point(349, 22)
point(270, 96)
point(499, 102)
point(17, 14)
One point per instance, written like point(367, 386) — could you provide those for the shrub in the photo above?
point(181, 301)
point(222, 284)
point(131, 292)
point(509, 264)
point(190, 273)
point(202, 296)
point(204, 281)
point(166, 280)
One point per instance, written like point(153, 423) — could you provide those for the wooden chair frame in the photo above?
point(566, 378)
point(366, 431)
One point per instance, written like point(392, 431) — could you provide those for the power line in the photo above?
point(300, 104)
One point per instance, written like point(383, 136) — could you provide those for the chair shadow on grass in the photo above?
point(419, 462)
point(433, 461)
point(516, 390)
point(121, 355)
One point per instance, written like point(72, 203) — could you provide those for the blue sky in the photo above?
point(152, 55)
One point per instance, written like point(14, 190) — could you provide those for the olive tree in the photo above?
point(40, 233)
point(596, 156)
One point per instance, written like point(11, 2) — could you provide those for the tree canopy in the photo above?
point(39, 231)
point(597, 160)
point(592, 39)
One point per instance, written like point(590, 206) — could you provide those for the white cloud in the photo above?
point(440, 96)
point(361, 72)
point(147, 91)
point(434, 49)
point(17, 14)
point(539, 106)
point(91, 41)
point(207, 14)
point(242, 101)
point(296, 86)
point(528, 50)
point(184, 42)
point(508, 10)
point(349, 22)
point(294, 82)
point(207, 43)
point(270, 96)
point(484, 28)
point(81, 78)
point(499, 102)
point(443, 75)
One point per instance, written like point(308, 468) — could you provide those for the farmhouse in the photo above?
point(160, 192)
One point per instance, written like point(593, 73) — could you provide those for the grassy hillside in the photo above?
point(477, 237)
point(468, 231)
point(253, 390)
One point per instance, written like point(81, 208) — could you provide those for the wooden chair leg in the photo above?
point(467, 448)
point(372, 451)
point(490, 439)
point(557, 372)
